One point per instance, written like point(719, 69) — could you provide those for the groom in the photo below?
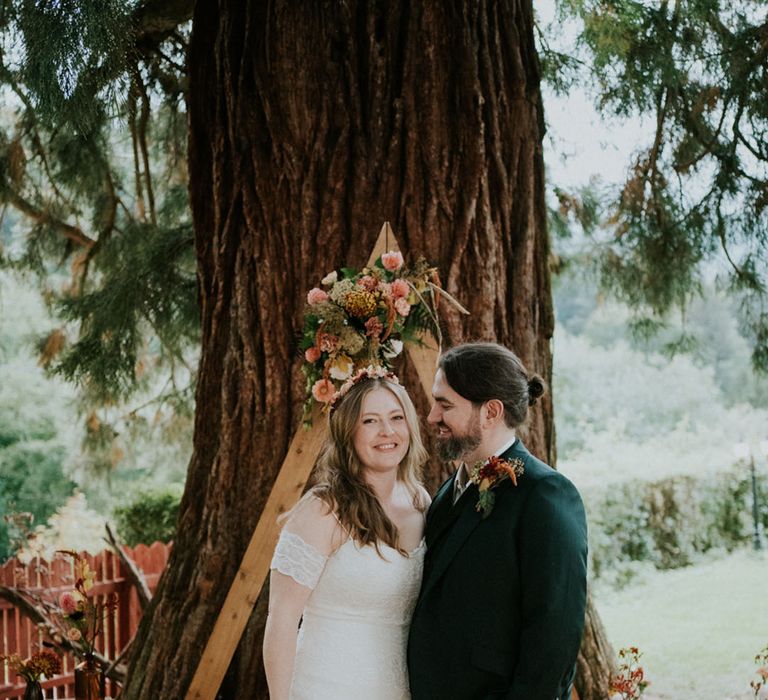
point(501, 609)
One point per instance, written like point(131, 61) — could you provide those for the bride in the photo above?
point(348, 563)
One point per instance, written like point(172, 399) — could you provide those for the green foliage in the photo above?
point(72, 78)
point(34, 450)
point(698, 191)
point(92, 159)
point(33, 482)
point(150, 516)
point(150, 292)
point(597, 337)
point(42, 457)
point(649, 440)
point(670, 523)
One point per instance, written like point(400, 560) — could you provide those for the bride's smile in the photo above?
point(381, 437)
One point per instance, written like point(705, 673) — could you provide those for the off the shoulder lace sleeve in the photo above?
point(297, 559)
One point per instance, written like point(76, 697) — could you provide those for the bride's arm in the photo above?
point(308, 538)
point(286, 604)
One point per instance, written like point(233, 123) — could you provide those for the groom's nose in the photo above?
point(434, 414)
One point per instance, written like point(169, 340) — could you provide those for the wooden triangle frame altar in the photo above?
point(288, 487)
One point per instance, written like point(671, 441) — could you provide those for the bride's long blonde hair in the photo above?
point(340, 482)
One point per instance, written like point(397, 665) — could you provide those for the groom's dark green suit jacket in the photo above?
point(501, 608)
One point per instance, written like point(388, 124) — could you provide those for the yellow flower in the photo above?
point(83, 571)
point(360, 303)
point(341, 367)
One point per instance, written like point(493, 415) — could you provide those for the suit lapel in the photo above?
point(441, 513)
point(464, 520)
point(463, 517)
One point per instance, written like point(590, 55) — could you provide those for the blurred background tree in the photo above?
point(693, 209)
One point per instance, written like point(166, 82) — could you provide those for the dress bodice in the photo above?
point(360, 584)
point(354, 632)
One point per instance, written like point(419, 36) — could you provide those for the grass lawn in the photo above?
point(699, 628)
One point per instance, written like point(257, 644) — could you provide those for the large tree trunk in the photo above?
point(310, 125)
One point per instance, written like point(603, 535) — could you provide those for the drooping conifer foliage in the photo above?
point(696, 196)
point(93, 169)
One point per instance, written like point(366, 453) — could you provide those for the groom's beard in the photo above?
point(456, 446)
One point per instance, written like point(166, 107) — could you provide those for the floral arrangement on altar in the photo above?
point(356, 319)
point(42, 663)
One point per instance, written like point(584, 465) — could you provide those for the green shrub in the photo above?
point(33, 482)
point(150, 516)
point(667, 524)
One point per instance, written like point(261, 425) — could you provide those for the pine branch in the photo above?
point(142, 134)
point(73, 233)
point(134, 144)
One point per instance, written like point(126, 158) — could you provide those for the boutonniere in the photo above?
point(490, 473)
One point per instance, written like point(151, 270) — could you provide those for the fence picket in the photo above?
point(18, 634)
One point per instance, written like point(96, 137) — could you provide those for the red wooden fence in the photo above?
point(19, 635)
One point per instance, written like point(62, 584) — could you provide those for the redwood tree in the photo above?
point(310, 125)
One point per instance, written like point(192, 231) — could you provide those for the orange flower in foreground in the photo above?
point(323, 390)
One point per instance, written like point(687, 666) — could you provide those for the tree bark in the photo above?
point(596, 663)
point(310, 125)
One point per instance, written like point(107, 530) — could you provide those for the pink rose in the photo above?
point(74, 635)
point(392, 261)
point(402, 306)
point(368, 283)
point(323, 390)
point(400, 288)
point(312, 354)
point(327, 342)
point(67, 603)
point(316, 295)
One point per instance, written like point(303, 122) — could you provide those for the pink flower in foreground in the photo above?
point(368, 283)
point(312, 354)
point(400, 289)
point(402, 306)
point(316, 295)
point(323, 390)
point(67, 603)
point(392, 261)
point(327, 342)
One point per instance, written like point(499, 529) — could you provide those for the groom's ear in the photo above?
point(493, 412)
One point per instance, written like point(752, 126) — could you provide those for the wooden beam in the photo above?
point(287, 489)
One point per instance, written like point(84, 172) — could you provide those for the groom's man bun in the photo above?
point(483, 371)
point(536, 388)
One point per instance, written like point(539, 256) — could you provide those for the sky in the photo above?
point(579, 143)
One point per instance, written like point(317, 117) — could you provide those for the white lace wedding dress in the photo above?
point(354, 632)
